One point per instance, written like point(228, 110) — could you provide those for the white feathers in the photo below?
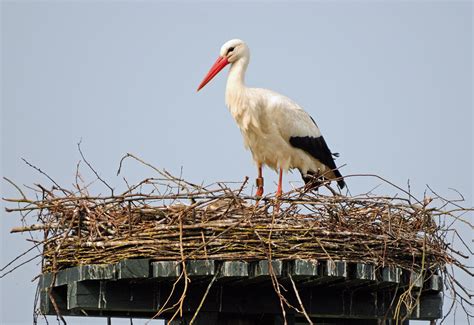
point(267, 120)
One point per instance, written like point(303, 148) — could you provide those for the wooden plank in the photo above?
point(359, 274)
point(166, 270)
point(329, 273)
point(46, 305)
point(431, 307)
point(133, 269)
point(200, 268)
point(248, 289)
point(79, 295)
point(386, 278)
point(364, 272)
point(261, 270)
point(61, 277)
point(112, 296)
point(334, 269)
point(231, 270)
point(78, 273)
point(57, 292)
point(129, 297)
point(45, 280)
point(59, 296)
point(434, 283)
point(85, 272)
point(390, 275)
point(414, 279)
point(302, 269)
point(92, 272)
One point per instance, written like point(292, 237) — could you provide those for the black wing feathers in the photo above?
point(318, 148)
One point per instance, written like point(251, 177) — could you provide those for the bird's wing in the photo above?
point(300, 130)
point(289, 118)
point(318, 148)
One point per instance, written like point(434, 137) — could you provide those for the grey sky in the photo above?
point(390, 85)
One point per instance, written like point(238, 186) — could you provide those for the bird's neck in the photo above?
point(235, 80)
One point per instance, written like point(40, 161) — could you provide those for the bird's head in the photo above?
point(234, 50)
point(231, 52)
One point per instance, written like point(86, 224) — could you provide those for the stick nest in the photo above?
point(168, 218)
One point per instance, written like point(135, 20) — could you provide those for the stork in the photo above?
point(278, 132)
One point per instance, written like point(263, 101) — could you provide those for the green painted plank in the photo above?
point(61, 278)
point(302, 269)
point(336, 269)
point(45, 280)
point(92, 272)
point(46, 307)
point(85, 272)
point(415, 280)
point(133, 269)
point(391, 275)
point(234, 270)
point(59, 296)
point(261, 269)
point(81, 295)
point(364, 272)
point(116, 296)
point(130, 297)
point(166, 270)
point(200, 268)
point(434, 283)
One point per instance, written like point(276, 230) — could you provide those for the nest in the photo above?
point(168, 218)
point(221, 225)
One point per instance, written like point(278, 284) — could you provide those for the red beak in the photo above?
point(218, 66)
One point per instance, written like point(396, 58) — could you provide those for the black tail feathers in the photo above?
point(340, 181)
point(314, 180)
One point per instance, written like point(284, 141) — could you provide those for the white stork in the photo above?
point(278, 132)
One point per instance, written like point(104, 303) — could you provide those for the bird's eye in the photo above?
point(230, 50)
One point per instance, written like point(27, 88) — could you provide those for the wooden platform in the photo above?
point(333, 292)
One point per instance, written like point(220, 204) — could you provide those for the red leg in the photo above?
point(276, 209)
point(280, 178)
point(259, 181)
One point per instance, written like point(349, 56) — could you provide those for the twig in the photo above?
point(303, 310)
point(42, 172)
point(203, 298)
point(91, 168)
point(17, 187)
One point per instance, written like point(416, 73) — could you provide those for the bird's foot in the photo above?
point(259, 183)
point(278, 193)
